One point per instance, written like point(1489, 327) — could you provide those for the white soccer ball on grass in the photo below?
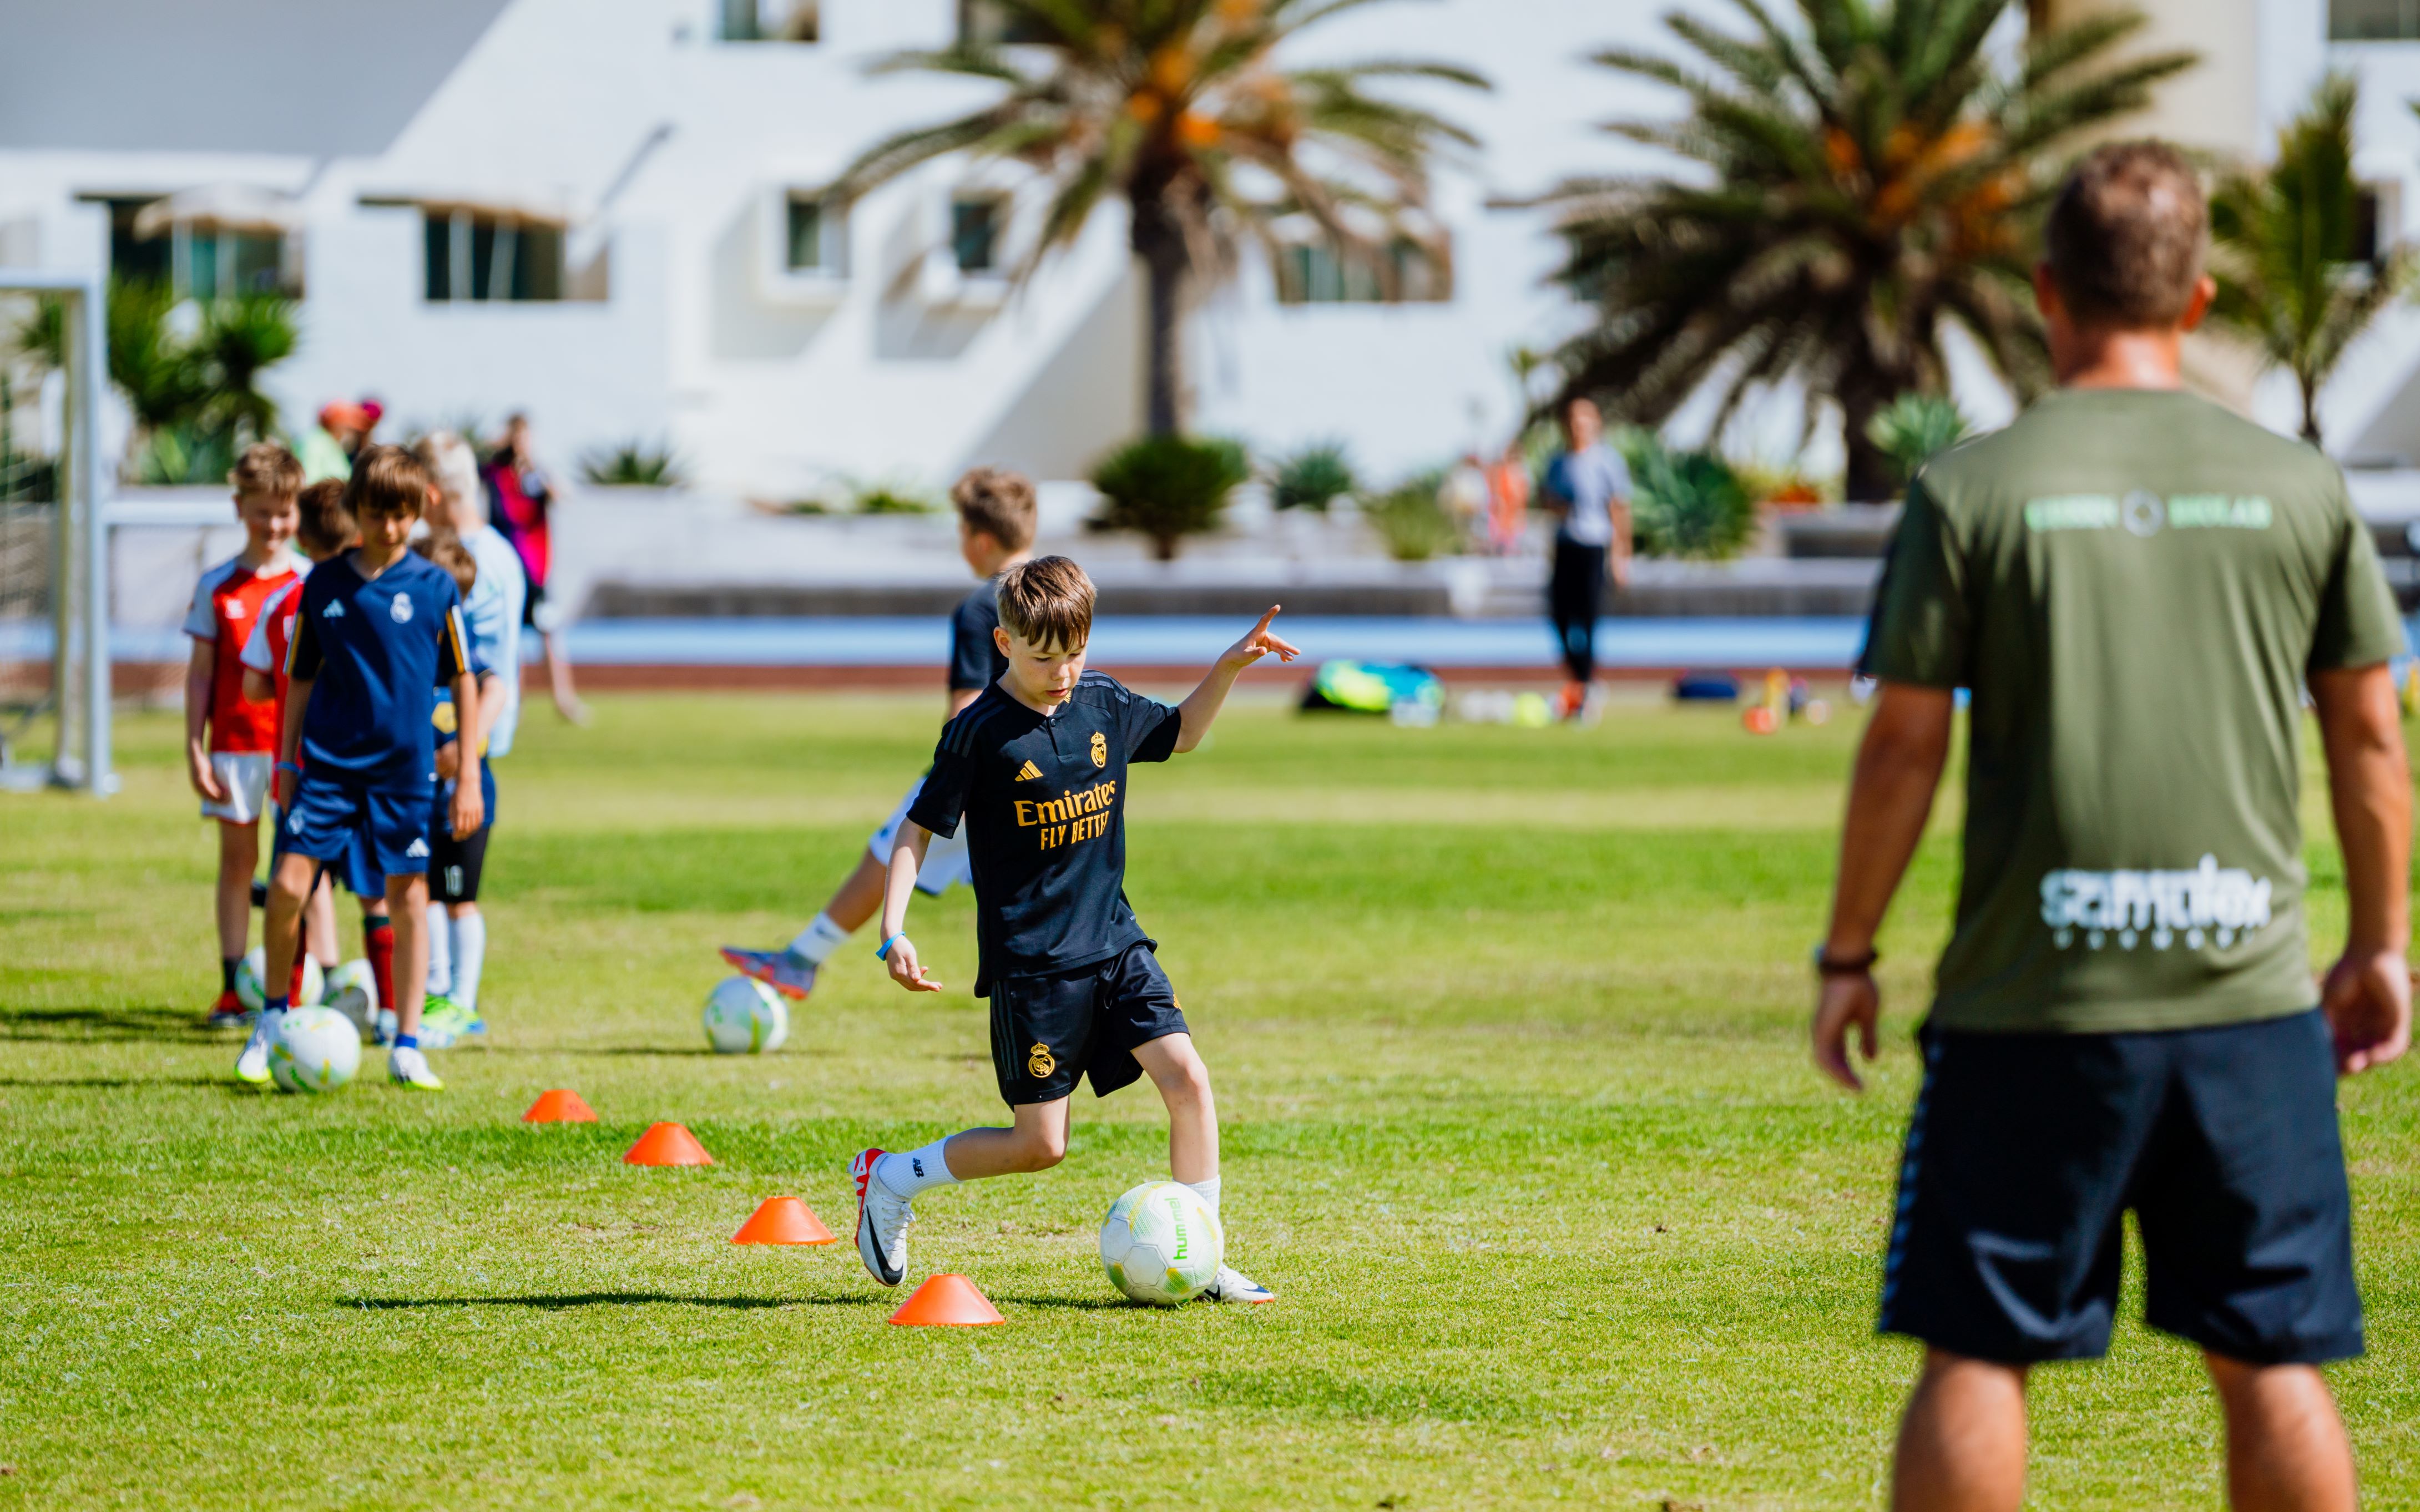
point(247, 980)
point(352, 991)
point(744, 1017)
point(1161, 1243)
point(318, 1051)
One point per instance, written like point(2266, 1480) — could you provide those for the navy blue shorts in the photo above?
point(2026, 1151)
point(1048, 1031)
point(367, 833)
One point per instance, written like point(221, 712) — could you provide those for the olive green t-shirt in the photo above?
point(2132, 583)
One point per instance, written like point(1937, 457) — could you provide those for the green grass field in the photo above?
point(1507, 1027)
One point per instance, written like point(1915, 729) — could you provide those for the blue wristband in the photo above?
point(290, 766)
point(884, 954)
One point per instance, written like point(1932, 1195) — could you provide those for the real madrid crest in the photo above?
point(400, 610)
point(1039, 1062)
point(1100, 748)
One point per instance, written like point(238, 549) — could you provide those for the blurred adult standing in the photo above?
point(1588, 488)
point(2136, 588)
point(498, 602)
point(523, 495)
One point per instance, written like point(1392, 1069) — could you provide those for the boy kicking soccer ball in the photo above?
point(996, 523)
point(378, 631)
point(1037, 765)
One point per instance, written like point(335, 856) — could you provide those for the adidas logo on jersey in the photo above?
point(335, 609)
point(417, 850)
point(1029, 773)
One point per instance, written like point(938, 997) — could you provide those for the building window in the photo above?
point(198, 259)
point(770, 21)
point(1329, 272)
point(974, 232)
point(987, 23)
point(2374, 21)
point(813, 240)
point(472, 255)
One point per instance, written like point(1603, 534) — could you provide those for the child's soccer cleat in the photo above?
point(407, 1067)
point(882, 1219)
point(253, 1065)
point(386, 1026)
point(228, 1012)
point(778, 969)
point(444, 1021)
point(1234, 1286)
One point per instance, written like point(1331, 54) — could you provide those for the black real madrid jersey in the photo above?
point(1043, 797)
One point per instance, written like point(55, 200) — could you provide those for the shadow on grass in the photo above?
point(602, 1299)
point(1107, 1304)
point(607, 1050)
point(176, 1025)
point(113, 1082)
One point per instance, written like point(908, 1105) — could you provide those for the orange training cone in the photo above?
point(667, 1144)
point(947, 1300)
point(784, 1221)
point(559, 1107)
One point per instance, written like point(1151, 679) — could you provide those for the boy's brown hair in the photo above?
point(1048, 602)
point(998, 503)
point(327, 525)
point(266, 470)
point(387, 480)
point(446, 549)
point(2126, 236)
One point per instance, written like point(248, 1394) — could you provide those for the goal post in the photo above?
point(73, 633)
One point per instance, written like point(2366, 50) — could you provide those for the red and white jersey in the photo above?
point(227, 605)
point(272, 631)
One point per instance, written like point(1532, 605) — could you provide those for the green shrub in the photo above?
point(1915, 428)
point(634, 465)
point(1312, 477)
point(891, 498)
point(1684, 503)
point(1412, 519)
point(1167, 487)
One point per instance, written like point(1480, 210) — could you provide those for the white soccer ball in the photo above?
point(318, 1051)
point(1161, 1243)
point(744, 1017)
point(352, 991)
point(256, 961)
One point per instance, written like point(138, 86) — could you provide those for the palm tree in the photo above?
point(1178, 107)
point(1862, 177)
point(2290, 279)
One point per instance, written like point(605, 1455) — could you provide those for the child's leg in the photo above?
point(320, 924)
point(469, 930)
point(281, 929)
point(1036, 1142)
point(407, 906)
point(440, 951)
point(238, 858)
point(1176, 1068)
point(378, 948)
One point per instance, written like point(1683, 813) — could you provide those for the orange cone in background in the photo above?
point(948, 1299)
point(559, 1107)
point(784, 1221)
point(667, 1144)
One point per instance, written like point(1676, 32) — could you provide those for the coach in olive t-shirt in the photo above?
point(2133, 583)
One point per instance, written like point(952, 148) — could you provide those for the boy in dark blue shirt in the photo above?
point(378, 632)
point(1037, 765)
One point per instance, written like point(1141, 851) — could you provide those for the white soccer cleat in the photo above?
point(1234, 1286)
point(882, 1220)
point(407, 1067)
point(253, 1065)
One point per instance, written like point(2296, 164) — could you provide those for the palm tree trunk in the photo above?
point(2310, 406)
point(1872, 479)
point(1160, 243)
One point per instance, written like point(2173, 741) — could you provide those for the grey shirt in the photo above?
point(1587, 483)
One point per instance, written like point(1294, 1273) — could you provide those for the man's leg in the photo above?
point(558, 678)
point(2286, 1447)
point(1961, 1445)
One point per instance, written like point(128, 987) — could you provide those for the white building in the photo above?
point(607, 213)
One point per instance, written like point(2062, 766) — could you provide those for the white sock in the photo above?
point(818, 939)
point(440, 951)
point(1208, 1192)
point(912, 1172)
point(469, 957)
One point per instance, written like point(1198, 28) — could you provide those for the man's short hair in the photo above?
point(2127, 237)
point(266, 470)
point(998, 503)
point(1048, 602)
point(326, 524)
point(446, 549)
point(386, 481)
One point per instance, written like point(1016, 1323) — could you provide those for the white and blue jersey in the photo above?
point(375, 651)
point(492, 614)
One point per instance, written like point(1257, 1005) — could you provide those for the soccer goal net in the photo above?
point(55, 662)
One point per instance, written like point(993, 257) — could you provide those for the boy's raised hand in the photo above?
point(1258, 643)
point(907, 970)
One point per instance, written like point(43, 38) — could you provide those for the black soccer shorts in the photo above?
point(455, 865)
point(1048, 1031)
point(2026, 1151)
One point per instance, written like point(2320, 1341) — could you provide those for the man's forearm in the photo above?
point(1890, 798)
point(2369, 788)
